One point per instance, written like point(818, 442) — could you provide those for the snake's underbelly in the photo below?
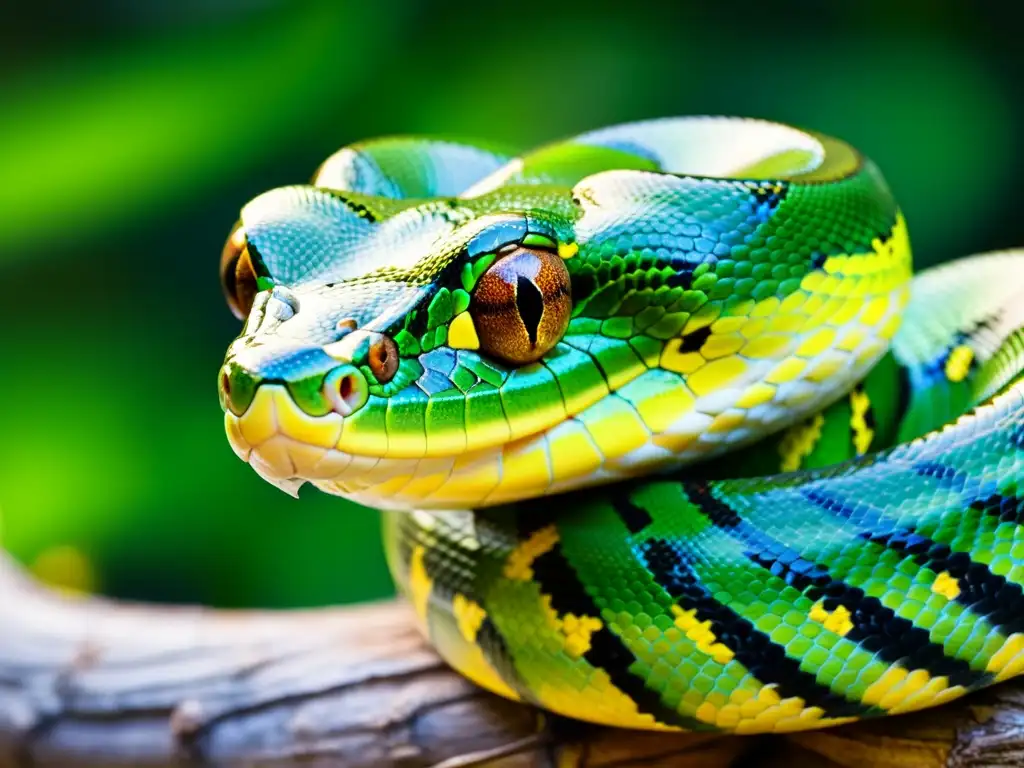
point(884, 575)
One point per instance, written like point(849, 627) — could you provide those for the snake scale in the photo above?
point(666, 434)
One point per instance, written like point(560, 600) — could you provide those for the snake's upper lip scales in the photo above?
point(311, 375)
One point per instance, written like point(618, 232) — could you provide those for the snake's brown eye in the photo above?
point(383, 359)
point(237, 274)
point(521, 305)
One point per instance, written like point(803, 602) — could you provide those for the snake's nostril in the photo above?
point(346, 389)
point(225, 384)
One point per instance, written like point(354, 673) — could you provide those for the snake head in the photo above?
point(573, 317)
point(379, 335)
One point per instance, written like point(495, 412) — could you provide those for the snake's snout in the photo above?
point(285, 408)
point(317, 383)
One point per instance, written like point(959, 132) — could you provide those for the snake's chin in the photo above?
point(289, 448)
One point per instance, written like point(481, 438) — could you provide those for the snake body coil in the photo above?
point(574, 377)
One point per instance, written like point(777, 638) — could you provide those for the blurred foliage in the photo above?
point(131, 133)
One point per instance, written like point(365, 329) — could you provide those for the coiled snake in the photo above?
point(668, 437)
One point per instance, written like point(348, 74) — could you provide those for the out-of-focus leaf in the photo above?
point(101, 139)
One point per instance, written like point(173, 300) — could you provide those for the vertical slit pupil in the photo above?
point(530, 304)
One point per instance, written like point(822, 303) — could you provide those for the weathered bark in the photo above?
point(87, 681)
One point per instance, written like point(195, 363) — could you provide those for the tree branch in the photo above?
point(87, 681)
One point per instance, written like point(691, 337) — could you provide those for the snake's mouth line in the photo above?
point(634, 430)
point(288, 448)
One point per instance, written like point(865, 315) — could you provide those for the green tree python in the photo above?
point(666, 435)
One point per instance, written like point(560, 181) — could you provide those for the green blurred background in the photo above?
point(132, 132)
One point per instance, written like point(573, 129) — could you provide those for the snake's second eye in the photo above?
point(383, 359)
point(237, 274)
point(521, 305)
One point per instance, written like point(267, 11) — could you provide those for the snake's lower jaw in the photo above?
point(275, 473)
point(288, 448)
point(285, 446)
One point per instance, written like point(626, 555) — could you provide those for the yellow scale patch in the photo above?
point(727, 421)
point(825, 367)
point(860, 404)
point(798, 442)
point(900, 690)
point(672, 359)
point(474, 476)
point(575, 630)
point(615, 427)
point(716, 375)
point(756, 394)
point(1008, 661)
point(420, 584)
point(837, 621)
point(845, 312)
point(599, 702)
point(817, 343)
point(702, 318)
point(462, 332)
point(699, 632)
point(892, 325)
point(946, 585)
point(430, 475)
point(572, 451)
point(323, 431)
point(659, 399)
point(958, 364)
point(519, 564)
point(764, 712)
point(767, 345)
point(875, 310)
point(726, 325)
point(852, 338)
point(788, 370)
point(471, 663)
point(259, 422)
point(468, 616)
point(525, 465)
point(722, 344)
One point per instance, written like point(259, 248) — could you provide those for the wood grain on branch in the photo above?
point(87, 681)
